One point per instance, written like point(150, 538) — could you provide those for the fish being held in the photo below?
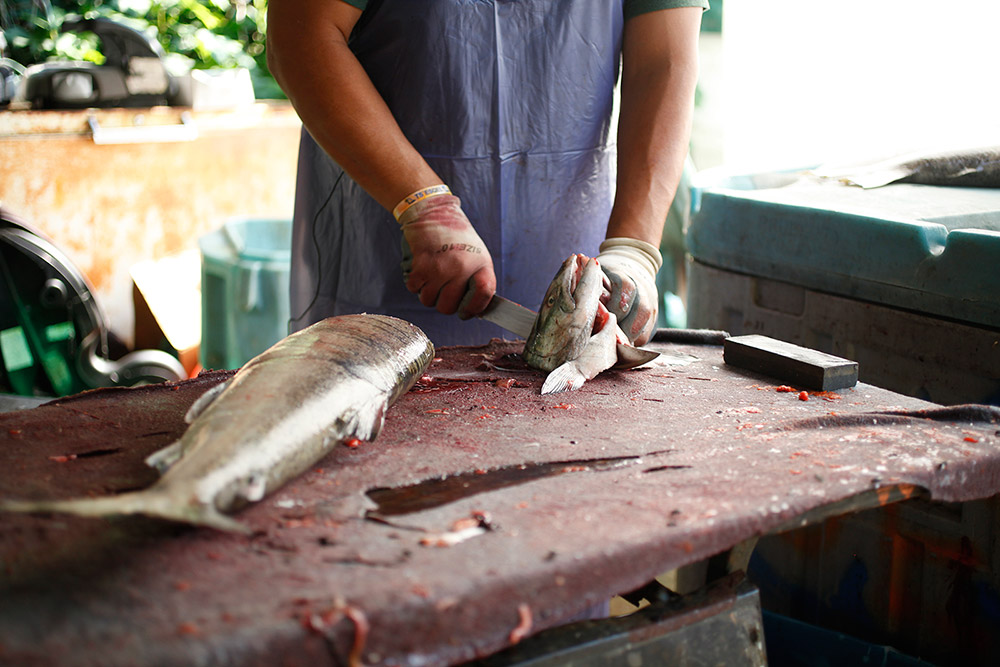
point(972, 167)
point(575, 337)
point(276, 417)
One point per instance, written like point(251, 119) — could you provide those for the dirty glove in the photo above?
point(630, 292)
point(444, 260)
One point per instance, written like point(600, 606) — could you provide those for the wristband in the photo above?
point(425, 193)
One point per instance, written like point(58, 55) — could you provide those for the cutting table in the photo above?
point(484, 513)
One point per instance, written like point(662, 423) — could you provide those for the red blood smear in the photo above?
point(601, 318)
point(188, 629)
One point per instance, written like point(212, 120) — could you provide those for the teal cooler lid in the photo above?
point(930, 249)
point(249, 240)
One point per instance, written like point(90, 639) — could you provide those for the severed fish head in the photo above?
point(575, 337)
point(565, 320)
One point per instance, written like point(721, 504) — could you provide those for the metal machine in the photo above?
point(133, 74)
point(54, 338)
point(10, 75)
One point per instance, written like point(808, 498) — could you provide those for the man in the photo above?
point(484, 126)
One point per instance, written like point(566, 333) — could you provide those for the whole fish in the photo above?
point(972, 167)
point(575, 337)
point(276, 417)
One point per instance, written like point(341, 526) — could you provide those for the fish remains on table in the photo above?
point(973, 167)
point(277, 416)
point(575, 337)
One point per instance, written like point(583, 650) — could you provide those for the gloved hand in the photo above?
point(444, 260)
point(630, 292)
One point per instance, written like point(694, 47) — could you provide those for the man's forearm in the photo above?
point(309, 57)
point(659, 74)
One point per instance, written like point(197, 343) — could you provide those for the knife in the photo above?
point(519, 320)
point(511, 316)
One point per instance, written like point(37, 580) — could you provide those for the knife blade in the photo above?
point(512, 316)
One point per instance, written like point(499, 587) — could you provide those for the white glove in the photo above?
point(444, 260)
point(630, 293)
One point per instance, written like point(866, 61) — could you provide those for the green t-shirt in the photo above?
point(636, 7)
point(632, 7)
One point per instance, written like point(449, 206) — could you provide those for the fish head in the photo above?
point(565, 319)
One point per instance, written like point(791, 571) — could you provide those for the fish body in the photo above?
point(276, 417)
point(975, 167)
point(575, 337)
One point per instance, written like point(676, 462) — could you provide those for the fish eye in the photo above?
point(551, 300)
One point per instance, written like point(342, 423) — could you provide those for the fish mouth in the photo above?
point(583, 266)
point(580, 264)
point(571, 277)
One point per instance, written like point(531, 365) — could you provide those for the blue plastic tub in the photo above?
point(244, 290)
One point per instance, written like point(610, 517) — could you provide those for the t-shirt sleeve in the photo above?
point(636, 7)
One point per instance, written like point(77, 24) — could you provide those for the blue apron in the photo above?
point(510, 103)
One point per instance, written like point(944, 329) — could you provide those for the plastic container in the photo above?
point(920, 576)
point(902, 279)
point(244, 290)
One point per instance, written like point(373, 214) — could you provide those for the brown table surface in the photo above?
point(584, 494)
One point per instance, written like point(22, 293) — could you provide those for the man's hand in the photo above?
point(444, 259)
point(630, 292)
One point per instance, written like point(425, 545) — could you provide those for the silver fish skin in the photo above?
point(599, 354)
point(968, 167)
point(276, 417)
point(575, 337)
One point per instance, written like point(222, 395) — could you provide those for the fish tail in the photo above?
point(147, 503)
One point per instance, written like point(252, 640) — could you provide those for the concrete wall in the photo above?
point(111, 206)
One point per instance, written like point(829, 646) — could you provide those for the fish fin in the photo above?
point(564, 378)
point(630, 356)
point(148, 503)
point(162, 459)
point(376, 426)
point(364, 421)
point(205, 400)
point(213, 518)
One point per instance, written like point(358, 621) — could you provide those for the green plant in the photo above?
point(195, 34)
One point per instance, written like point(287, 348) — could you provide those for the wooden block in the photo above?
point(798, 366)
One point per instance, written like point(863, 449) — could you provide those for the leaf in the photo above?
point(203, 14)
point(235, 37)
